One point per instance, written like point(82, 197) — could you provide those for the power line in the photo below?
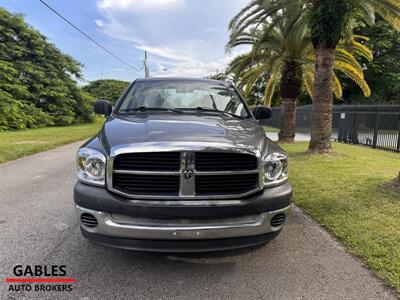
point(105, 73)
point(88, 37)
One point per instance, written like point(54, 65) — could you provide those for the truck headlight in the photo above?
point(275, 169)
point(91, 166)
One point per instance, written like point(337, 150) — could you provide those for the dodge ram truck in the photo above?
point(181, 165)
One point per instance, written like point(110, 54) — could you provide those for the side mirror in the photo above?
point(262, 112)
point(103, 107)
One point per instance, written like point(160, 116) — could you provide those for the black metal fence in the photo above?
point(377, 126)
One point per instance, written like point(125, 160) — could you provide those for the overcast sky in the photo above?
point(186, 37)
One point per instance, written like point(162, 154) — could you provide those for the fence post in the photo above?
point(342, 120)
point(354, 133)
point(398, 134)
point(375, 139)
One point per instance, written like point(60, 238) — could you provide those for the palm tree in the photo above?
point(329, 22)
point(283, 53)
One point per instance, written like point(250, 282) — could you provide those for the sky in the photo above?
point(182, 37)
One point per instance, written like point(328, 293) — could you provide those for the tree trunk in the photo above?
point(321, 118)
point(290, 89)
point(288, 121)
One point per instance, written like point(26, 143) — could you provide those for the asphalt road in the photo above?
point(38, 227)
point(299, 137)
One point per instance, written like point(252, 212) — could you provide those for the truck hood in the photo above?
point(186, 131)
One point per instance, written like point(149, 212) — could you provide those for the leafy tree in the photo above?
point(329, 22)
point(383, 73)
point(37, 86)
point(282, 52)
point(108, 89)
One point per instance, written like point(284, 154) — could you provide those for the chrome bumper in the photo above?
point(123, 226)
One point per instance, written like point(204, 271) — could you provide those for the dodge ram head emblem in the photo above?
point(187, 174)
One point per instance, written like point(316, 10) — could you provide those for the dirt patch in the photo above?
point(393, 185)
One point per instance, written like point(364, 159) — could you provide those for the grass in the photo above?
point(15, 144)
point(345, 193)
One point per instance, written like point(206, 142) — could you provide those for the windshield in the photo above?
point(183, 95)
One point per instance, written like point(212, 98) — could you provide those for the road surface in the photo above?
point(38, 227)
point(299, 137)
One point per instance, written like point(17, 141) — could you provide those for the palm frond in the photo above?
point(355, 75)
point(337, 87)
point(367, 13)
point(362, 50)
point(361, 37)
point(242, 13)
point(270, 89)
point(254, 14)
point(250, 77)
point(309, 80)
point(387, 9)
point(342, 55)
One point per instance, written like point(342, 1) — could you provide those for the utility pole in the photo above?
point(146, 68)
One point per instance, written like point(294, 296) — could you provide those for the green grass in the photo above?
point(270, 129)
point(345, 193)
point(15, 144)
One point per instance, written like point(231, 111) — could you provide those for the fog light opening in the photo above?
point(89, 220)
point(278, 220)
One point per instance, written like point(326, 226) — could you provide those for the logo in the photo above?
point(187, 174)
point(40, 278)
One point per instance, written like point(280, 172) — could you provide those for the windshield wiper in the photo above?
point(209, 109)
point(146, 108)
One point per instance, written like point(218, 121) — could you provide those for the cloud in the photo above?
point(197, 68)
point(99, 23)
point(164, 52)
point(187, 37)
point(138, 5)
point(138, 22)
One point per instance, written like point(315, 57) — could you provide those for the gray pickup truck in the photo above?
point(181, 165)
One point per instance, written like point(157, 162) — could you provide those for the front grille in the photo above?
point(220, 161)
point(149, 161)
point(225, 184)
point(147, 184)
point(187, 174)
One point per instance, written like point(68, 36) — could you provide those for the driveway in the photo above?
point(299, 137)
point(38, 227)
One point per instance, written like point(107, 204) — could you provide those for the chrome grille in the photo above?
point(150, 161)
point(147, 184)
point(184, 175)
point(225, 184)
point(210, 161)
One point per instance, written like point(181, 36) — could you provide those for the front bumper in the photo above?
point(181, 226)
point(123, 226)
point(181, 245)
